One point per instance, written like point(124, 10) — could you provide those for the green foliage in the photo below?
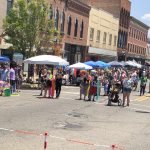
point(29, 28)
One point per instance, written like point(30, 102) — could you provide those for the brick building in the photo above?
point(148, 52)
point(71, 18)
point(120, 9)
point(137, 40)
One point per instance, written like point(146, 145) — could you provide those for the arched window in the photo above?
point(62, 21)
point(119, 39)
point(76, 28)
point(56, 19)
point(81, 29)
point(69, 25)
point(9, 5)
point(51, 12)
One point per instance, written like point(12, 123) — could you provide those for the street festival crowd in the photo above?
point(114, 80)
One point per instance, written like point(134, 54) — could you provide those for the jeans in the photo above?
point(13, 86)
point(58, 90)
point(142, 89)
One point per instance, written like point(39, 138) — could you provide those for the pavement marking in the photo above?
point(70, 93)
point(141, 98)
point(61, 138)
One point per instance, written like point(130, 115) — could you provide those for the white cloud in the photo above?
point(146, 17)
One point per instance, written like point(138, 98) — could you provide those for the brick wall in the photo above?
point(75, 13)
point(137, 39)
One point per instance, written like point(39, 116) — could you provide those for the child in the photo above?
point(82, 88)
point(93, 89)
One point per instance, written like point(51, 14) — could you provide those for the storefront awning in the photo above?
point(105, 52)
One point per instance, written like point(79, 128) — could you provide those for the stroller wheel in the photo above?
point(119, 102)
point(109, 102)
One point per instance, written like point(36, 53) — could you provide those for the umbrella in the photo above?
point(115, 64)
point(91, 63)
point(4, 59)
point(80, 66)
point(47, 59)
point(102, 64)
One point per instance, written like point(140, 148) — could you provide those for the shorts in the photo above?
point(127, 90)
point(48, 84)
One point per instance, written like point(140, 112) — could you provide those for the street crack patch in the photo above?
point(70, 126)
point(77, 115)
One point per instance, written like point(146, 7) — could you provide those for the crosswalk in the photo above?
point(142, 98)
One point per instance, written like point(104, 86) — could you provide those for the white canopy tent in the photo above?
point(47, 59)
point(80, 66)
point(133, 64)
point(137, 64)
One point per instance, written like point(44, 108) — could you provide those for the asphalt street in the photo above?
point(73, 124)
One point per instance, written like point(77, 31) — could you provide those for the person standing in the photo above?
point(143, 84)
point(127, 88)
point(5, 74)
point(58, 84)
point(43, 75)
point(12, 79)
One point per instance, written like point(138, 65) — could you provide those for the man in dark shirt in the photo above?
point(58, 84)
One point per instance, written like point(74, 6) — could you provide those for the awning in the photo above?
point(5, 46)
point(105, 52)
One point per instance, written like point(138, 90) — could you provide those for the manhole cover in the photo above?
point(69, 126)
point(77, 115)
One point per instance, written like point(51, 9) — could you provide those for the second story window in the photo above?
point(104, 38)
point(98, 36)
point(91, 34)
point(9, 5)
point(110, 39)
point(76, 28)
point(115, 40)
point(51, 12)
point(56, 19)
point(69, 25)
point(62, 21)
point(81, 30)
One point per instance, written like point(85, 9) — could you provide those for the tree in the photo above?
point(29, 27)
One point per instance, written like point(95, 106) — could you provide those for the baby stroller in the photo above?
point(113, 96)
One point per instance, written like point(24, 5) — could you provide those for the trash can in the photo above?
point(7, 92)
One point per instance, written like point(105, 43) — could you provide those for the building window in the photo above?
point(76, 28)
point(51, 12)
point(56, 19)
point(81, 30)
point(110, 39)
point(62, 21)
point(104, 38)
point(128, 47)
point(69, 25)
point(91, 34)
point(115, 40)
point(9, 5)
point(98, 36)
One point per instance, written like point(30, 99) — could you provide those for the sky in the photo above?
point(140, 9)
